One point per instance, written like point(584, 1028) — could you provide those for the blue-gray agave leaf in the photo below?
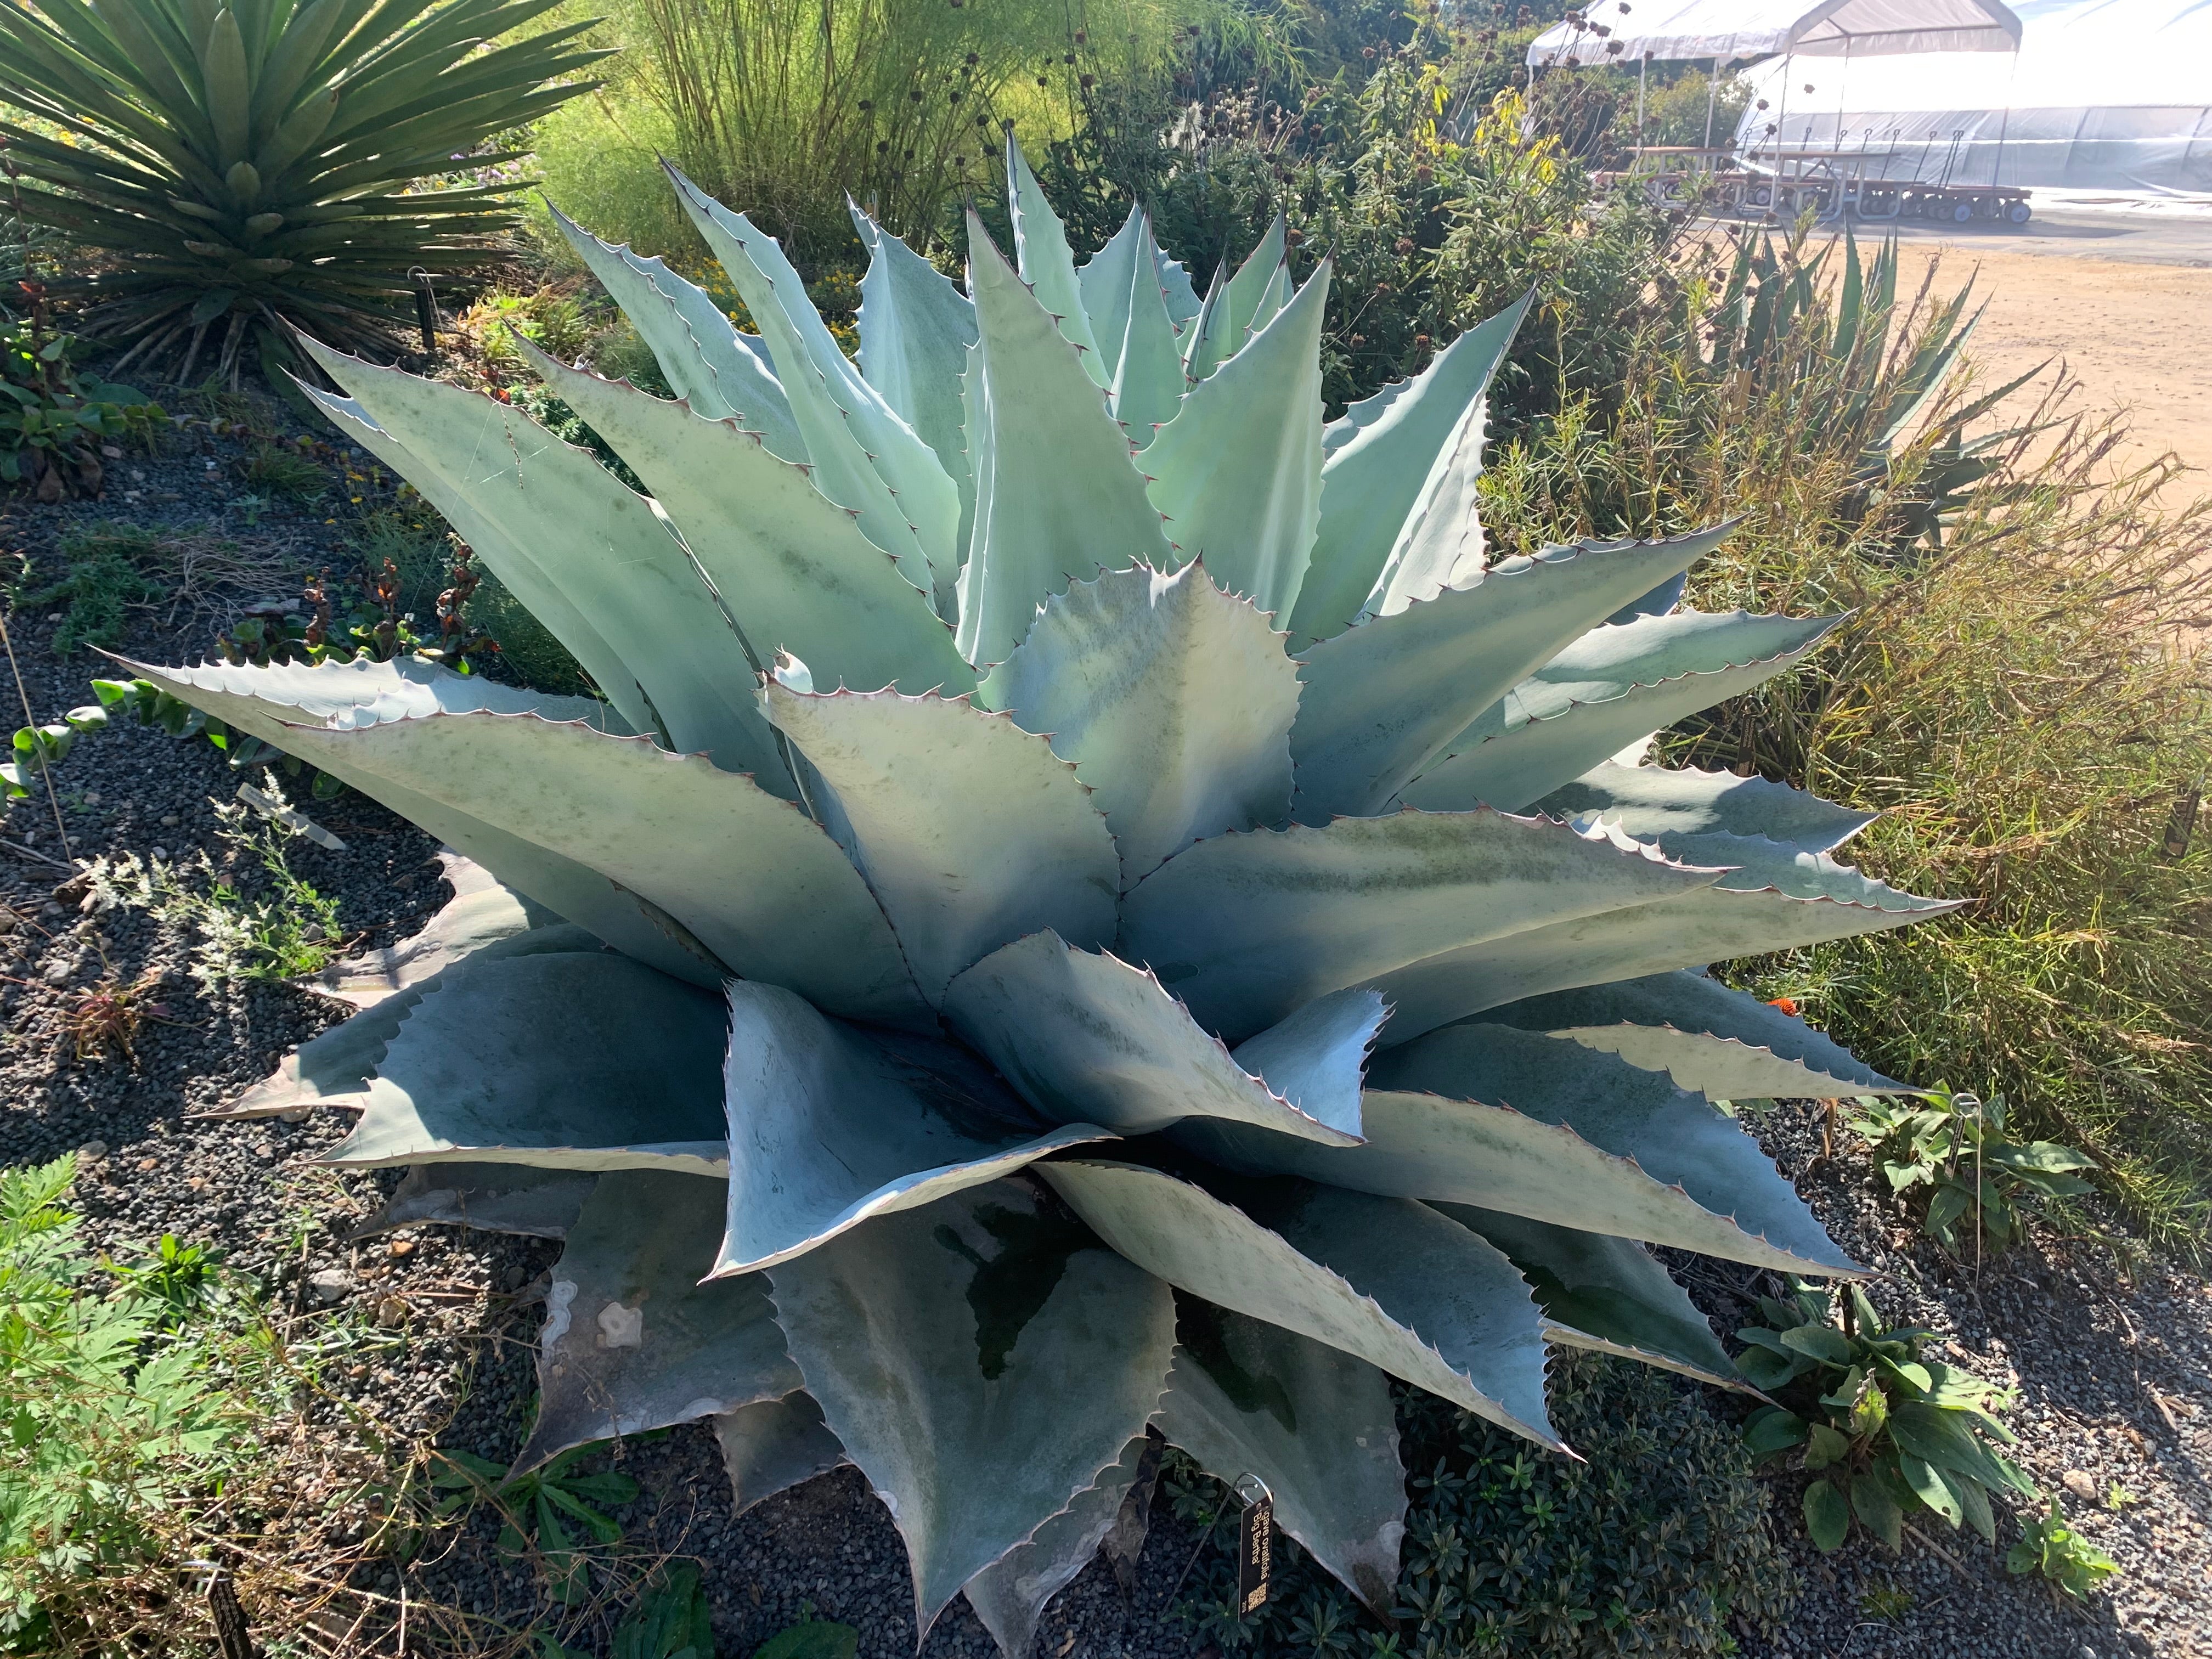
point(1009, 1597)
point(1245, 1394)
point(1710, 1037)
point(632, 1340)
point(830, 1124)
point(772, 1445)
point(982, 1360)
point(1648, 801)
point(1047, 266)
point(574, 1061)
point(915, 328)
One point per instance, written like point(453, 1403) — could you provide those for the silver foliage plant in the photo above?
point(1090, 902)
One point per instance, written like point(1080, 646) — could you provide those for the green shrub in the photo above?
point(1656, 1545)
point(1977, 1176)
point(107, 568)
point(54, 422)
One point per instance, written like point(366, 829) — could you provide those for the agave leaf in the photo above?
point(1148, 383)
point(1385, 697)
point(830, 1124)
point(1009, 1597)
point(610, 555)
point(1046, 263)
point(866, 457)
point(1224, 322)
point(1374, 480)
point(700, 845)
point(513, 559)
point(633, 1339)
point(481, 912)
point(1472, 1109)
point(1442, 546)
point(772, 1445)
point(1244, 1394)
point(1247, 927)
point(1056, 498)
point(1773, 898)
point(567, 1061)
point(1088, 1039)
point(981, 1360)
point(1108, 279)
point(1707, 1037)
point(1183, 303)
point(1606, 1293)
point(493, 1197)
point(623, 918)
point(721, 374)
point(796, 572)
point(1174, 701)
point(1602, 692)
point(1376, 1278)
point(339, 1063)
point(1272, 299)
point(1657, 602)
point(1654, 800)
point(916, 329)
point(1236, 473)
point(969, 830)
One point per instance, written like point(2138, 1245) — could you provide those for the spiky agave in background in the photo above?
point(1005, 912)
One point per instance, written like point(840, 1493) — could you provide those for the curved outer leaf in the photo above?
point(968, 829)
point(915, 328)
point(1056, 497)
point(981, 1360)
point(631, 924)
point(509, 556)
point(1047, 264)
point(1653, 800)
point(1316, 1422)
point(1009, 1597)
point(721, 374)
point(602, 544)
point(759, 884)
point(1470, 1114)
point(1373, 480)
point(795, 571)
point(1247, 927)
point(482, 912)
point(1109, 278)
point(1384, 698)
point(326, 1070)
point(1174, 701)
point(1376, 1278)
point(1442, 546)
point(632, 1340)
point(568, 1061)
point(867, 458)
point(1236, 473)
point(772, 1445)
point(494, 1198)
point(1711, 1038)
point(1766, 902)
point(829, 1124)
point(1087, 1039)
point(1606, 1293)
point(1603, 692)
point(1223, 323)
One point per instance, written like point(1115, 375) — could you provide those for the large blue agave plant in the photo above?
point(1088, 903)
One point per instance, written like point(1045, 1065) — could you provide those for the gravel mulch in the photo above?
point(2114, 1375)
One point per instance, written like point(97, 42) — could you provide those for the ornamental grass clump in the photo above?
point(1121, 912)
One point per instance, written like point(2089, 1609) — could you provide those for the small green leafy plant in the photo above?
point(1888, 1432)
point(105, 570)
point(2049, 1545)
point(811, 1638)
point(285, 929)
point(53, 421)
point(1979, 1179)
point(544, 1510)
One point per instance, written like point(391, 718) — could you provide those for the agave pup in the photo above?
point(1090, 901)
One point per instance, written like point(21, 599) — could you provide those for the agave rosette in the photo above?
point(1090, 901)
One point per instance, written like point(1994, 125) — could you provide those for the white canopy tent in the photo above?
point(2104, 94)
point(1734, 30)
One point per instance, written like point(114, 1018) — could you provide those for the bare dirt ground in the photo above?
point(2121, 299)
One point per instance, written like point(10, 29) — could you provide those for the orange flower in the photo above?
point(1787, 1005)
